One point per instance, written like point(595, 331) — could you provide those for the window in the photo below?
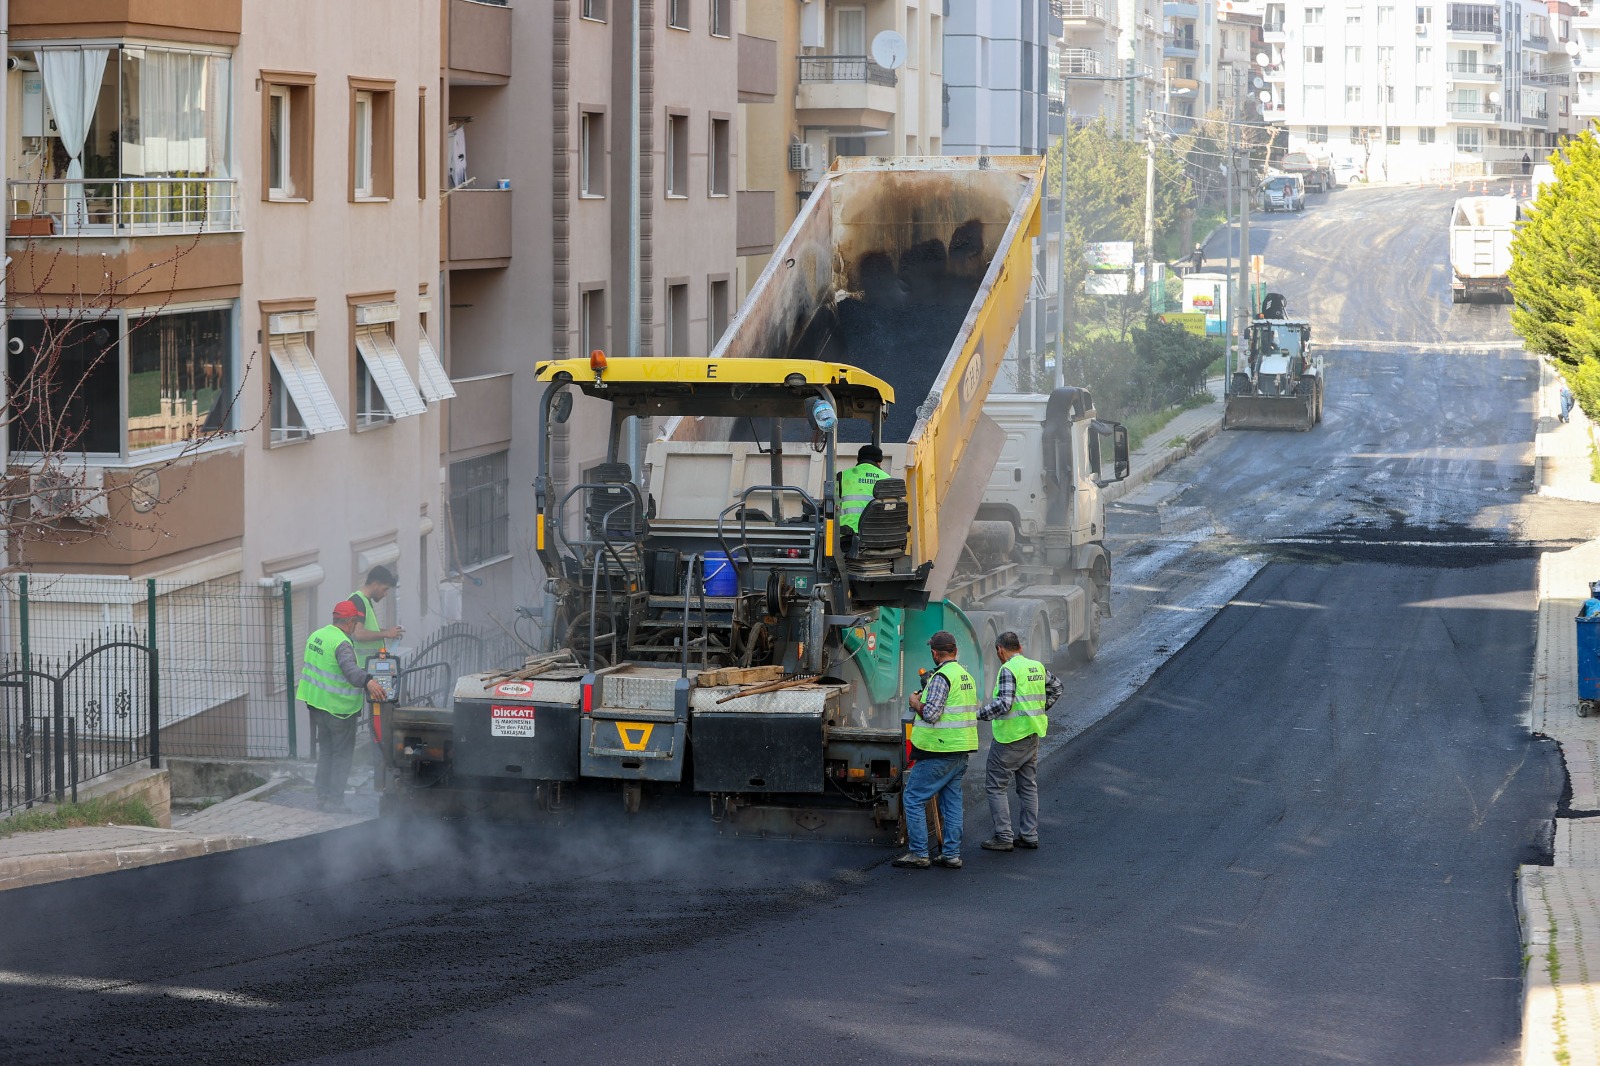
point(678, 155)
point(1469, 139)
point(178, 387)
point(1316, 135)
point(1391, 135)
point(718, 160)
point(1313, 16)
point(1352, 18)
point(1352, 94)
point(593, 9)
point(302, 405)
point(1386, 59)
point(1386, 93)
point(280, 180)
point(591, 153)
point(1424, 96)
point(422, 144)
point(1357, 135)
point(677, 320)
point(1424, 55)
point(592, 320)
point(1424, 16)
point(480, 509)
point(1352, 55)
point(717, 311)
point(722, 18)
point(384, 391)
point(678, 14)
point(850, 32)
point(1385, 16)
point(1313, 54)
point(371, 140)
point(1425, 135)
point(1315, 100)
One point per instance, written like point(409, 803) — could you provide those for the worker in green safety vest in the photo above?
point(1024, 692)
point(369, 636)
point(943, 733)
point(333, 686)
point(855, 485)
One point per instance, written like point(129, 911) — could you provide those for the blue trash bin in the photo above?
point(1588, 664)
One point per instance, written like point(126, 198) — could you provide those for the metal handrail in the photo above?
point(845, 69)
point(744, 529)
point(1081, 61)
point(116, 207)
point(696, 561)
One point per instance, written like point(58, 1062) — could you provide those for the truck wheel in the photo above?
point(1084, 651)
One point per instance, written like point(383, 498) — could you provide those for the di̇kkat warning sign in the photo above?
point(510, 721)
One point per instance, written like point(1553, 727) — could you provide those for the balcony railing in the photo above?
point(844, 69)
point(1058, 106)
point(123, 207)
point(1473, 108)
point(1537, 40)
point(1490, 69)
point(1079, 9)
point(1540, 114)
point(1275, 26)
point(1082, 61)
point(1546, 78)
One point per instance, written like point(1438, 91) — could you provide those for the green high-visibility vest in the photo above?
point(366, 649)
point(1026, 716)
point(957, 728)
point(855, 492)
point(322, 683)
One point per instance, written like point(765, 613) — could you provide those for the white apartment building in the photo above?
point(997, 76)
point(1416, 92)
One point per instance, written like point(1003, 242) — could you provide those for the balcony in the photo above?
point(757, 222)
point(477, 228)
point(480, 43)
point(201, 512)
point(1466, 110)
point(1473, 21)
point(845, 93)
point(1081, 13)
point(69, 237)
point(1488, 72)
point(480, 415)
point(211, 22)
point(1176, 83)
point(1182, 47)
point(1546, 78)
point(1085, 61)
point(1537, 43)
point(1179, 9)
point(758, 70)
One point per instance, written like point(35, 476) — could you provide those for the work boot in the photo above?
point(949, 862)
point(911, 861)
point(1030, 845)
point(996, 844)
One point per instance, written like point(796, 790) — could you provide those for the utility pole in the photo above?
point(1150, 208)
point(1245, 181)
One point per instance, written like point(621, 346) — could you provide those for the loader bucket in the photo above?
point(1268, 412)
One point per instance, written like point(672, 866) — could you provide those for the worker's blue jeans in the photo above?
point(940, 777)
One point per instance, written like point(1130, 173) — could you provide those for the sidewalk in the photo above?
point(286, 808)
point(1560, 904)
point(279, 810)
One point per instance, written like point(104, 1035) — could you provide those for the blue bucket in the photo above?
point(720, 577)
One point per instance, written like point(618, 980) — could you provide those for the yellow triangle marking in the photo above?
point(635, 736)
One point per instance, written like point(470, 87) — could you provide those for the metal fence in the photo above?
point(101, 673)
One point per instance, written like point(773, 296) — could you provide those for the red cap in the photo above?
point(347, 609)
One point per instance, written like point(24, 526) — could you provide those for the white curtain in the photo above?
point(172, 113)
point(72, 79)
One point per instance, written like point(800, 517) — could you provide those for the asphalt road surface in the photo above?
point(1284, 830)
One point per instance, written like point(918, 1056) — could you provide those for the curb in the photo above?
point(1171, 454)
point(42, 869)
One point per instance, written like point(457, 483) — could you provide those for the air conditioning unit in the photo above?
point(800, 156)
point(79, 495)
point(1422, 29)
point(1584, 76)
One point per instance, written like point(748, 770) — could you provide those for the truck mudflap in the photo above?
point(1269, 412)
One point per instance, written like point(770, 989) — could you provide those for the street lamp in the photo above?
point(1061, 194)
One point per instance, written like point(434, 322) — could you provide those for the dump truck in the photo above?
point(1281, 383)
point(1315, 171)
point(1481, 228)
point(717, 631)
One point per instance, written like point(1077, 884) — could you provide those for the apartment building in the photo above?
point(1417, 92)
point(224, 217)
point(537, 217)
point(997, 76)
point(1239, 41)
point(827, 97)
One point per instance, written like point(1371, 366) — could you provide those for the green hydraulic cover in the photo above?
point(920, 625)
point(878, 658)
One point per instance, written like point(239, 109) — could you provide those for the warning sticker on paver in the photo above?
point(510, 721)
point(513, 688)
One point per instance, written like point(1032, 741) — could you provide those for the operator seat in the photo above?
point(884, 531)
point(613, 513)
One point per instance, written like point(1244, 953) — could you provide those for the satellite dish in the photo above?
point(1262, 59)
point(1266, 96)
point(889, 50)
point(1494, 97)
point(1257, 83)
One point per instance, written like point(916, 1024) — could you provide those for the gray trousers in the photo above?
point(336, 749)
point(1020, 758)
